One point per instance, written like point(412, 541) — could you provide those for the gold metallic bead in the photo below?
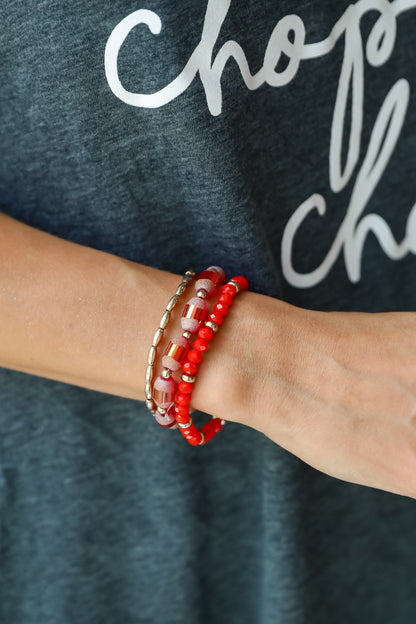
point(202, 439)
point(213, 325)
point(152, 355)
point(185, 425)
point(166, 373)
point(189, 273)
point(186, 334)
point(148, 391)
point(201, 293)
point(172, 302)
point(188, 378)
point(149, 373)
point(181, 289)
point(234, 284)
point(161, 410)
point(157, 337)
point(165, 320)
point(150, 406)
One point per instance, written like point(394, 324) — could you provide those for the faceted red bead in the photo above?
point(195, 441)
point(192, 435)
point(229, 289)
point(221, 309)
point(216, 318)
point(225, 299)
point(194, 356)
point(211, 428)
point(206, 333)
point(183, 399)
point(182, 410)
point(241, 281)
point(189, 368)
point(190, 432)
point(200, 345)
point(185, 388)
point(183, 419)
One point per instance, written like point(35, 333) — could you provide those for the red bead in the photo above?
point(200, 345)
point(182, 419)
point(211, 428)
point(221, 309)
point(225, 299)
point(182, 410)
point(189, 368)
point(206, 333)
point(195, 441)
point(241, 281)
point(185, 388)
point(229, 289)
point(192, 435)
point(183, 399)
point(188, 431)
point(216, 318)
point(194, 356)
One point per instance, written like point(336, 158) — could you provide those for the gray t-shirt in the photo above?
point(278, 140)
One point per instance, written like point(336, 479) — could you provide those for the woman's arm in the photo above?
point(75, 314)
point(336, 389)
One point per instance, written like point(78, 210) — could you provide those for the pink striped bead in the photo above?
point(164, 391)
point(205, 284)
point(165, 420)
point(220, 271)
point(209, 279)
point(194, 314)
point(176, 352)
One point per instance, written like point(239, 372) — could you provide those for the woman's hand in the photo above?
point(336, 389)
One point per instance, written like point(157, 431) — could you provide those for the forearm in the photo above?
point(75, 314)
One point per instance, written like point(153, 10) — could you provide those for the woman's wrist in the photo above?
point(232, 376)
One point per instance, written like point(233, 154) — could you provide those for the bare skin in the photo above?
point(336, 389)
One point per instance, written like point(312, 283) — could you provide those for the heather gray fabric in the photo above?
point(104, 516)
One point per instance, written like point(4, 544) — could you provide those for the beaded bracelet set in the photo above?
point(173, 399)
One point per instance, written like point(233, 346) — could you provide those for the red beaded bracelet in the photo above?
point(190, 367)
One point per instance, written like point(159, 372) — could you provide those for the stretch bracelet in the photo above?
point(158, 337)
point(190, 367)
point(173, 399)
point(194, 313)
